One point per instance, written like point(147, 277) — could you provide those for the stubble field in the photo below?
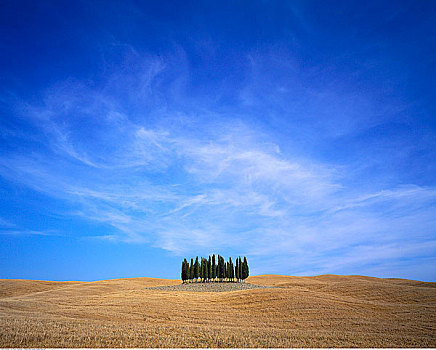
point(322, 311)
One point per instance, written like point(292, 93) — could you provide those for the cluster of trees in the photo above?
point(214, 269)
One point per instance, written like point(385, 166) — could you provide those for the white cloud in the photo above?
point(185, 189)
point(6, 223)
point(25, 232)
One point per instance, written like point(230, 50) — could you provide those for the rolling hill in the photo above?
point(321, 311)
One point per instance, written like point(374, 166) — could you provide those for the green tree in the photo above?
point(191, 270)
point(219, 268)
point(223, 269)
point(205, 274)
point(229, 271)
point(209, 268)
point(240, 268)
point(213, 267)
point(245, 269)
point(201, 269)
point(206, 269)
point(184, 274)
point(188, 271)
point(223, 277)
point(196, 269)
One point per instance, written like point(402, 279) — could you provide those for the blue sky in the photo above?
point(299, 134)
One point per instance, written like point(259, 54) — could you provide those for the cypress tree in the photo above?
point(203, 272)
point(196, 269)
point(191, 270)
point(188, 271)
point(201, 269)
point(217, 269)
point(218, 266)
point(222, 270)
point(213, 267)
point(183, 274)
point(206, 275)
point(223, 265)
point(245, 270)
point(209, 268)
point(241, 272)
point(240, 268)
point(206, 270)
point(225, 271)
point(229, 271)
point(218, 272)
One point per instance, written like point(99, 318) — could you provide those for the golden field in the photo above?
point(322, 311)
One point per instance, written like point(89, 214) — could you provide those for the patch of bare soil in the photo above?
point(210, 287)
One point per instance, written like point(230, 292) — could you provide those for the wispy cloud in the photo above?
point(25, 232)
point(158, 181)
point(5, 223)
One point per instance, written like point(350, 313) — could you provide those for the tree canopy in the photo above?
point(214, 269)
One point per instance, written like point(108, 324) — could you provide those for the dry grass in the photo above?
point(323, 311)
